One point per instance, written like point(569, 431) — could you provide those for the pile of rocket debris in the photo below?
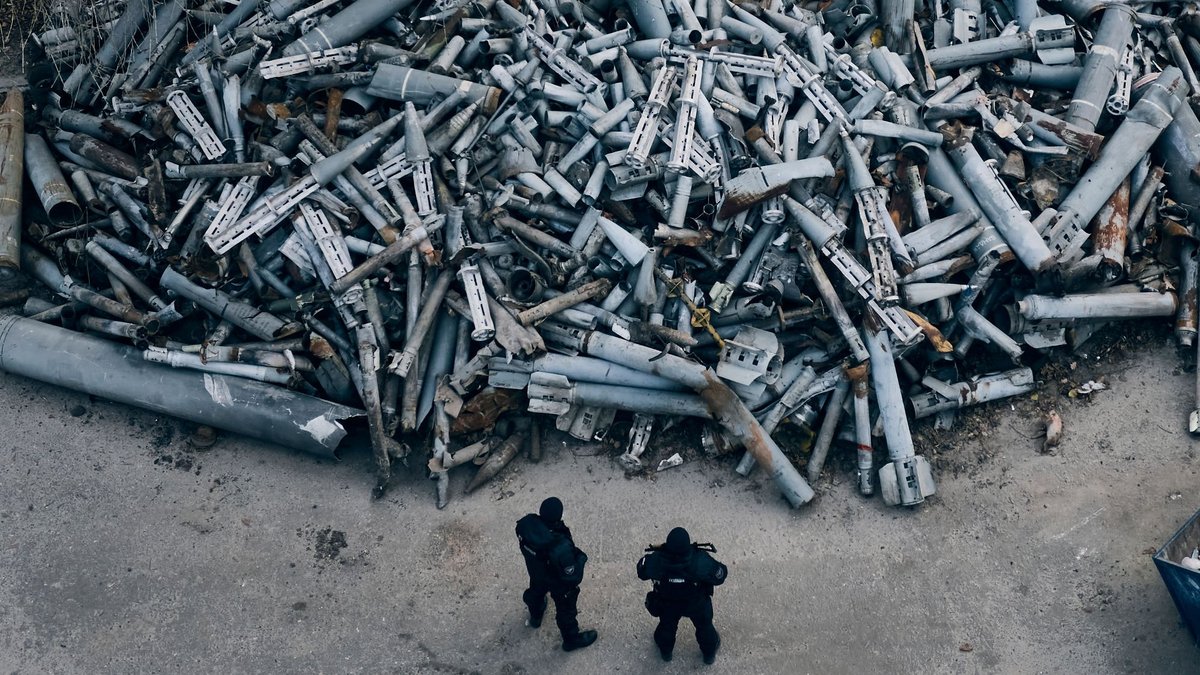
point(441, 215)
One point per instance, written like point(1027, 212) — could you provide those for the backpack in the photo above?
point(706, 570)
point(563, 561)
point(566, 562)
point(534, 536)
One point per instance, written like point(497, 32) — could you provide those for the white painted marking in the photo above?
point(217, 388)
point(1079, 524)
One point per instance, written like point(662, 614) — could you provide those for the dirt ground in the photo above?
point(130, 552)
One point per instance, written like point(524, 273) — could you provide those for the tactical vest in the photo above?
point(684, 579)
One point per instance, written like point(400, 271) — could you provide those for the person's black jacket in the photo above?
point(682, 579)
point(550, 552)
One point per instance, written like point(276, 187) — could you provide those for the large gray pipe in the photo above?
point(346, 26)
point(999, 206)
point(118, 373)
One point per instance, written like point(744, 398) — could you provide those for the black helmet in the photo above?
point(679, 543)
point(551, 510)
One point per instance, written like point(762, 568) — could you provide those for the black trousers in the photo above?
point(565, 598)
point(700, 611)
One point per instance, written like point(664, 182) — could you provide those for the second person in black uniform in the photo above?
point(555, 566)
point(683, 575)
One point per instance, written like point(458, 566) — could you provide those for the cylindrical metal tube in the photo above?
point(114, 267)
point(1179, 148)
point(79, 84)
point(380, 260)
point(445, 58)
point(118, 373)
point(552, 306)
point(891, 130)
point(723, 405)
point(975, 391)
point(1112, 231)
point(423, 88)
point(1113, 305)
point(177, 359)
point(194, 171)
point(650, 17)
point(430, 305)
point(1100, 67)
point(112, 307)
point(253, 320)
point(106, 156)
point(829, 426)
point(647, 401)
point(124, 329)
point(983, 51)
point(1143, 125)
point(1185, 317)
point(888, 394)
point(862, 428)
point(49, 183)
point(1001, 209)
point(346, 26)
point(1032, 73)
point(12, 160)
point(87, 191)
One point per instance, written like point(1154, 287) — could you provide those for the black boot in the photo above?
point(666, 656)
point(535, 621)
point(579, 640)
point(710, 659)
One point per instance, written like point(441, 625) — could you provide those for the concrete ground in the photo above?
point(129, 552)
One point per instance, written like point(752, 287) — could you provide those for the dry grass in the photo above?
point(17, 19)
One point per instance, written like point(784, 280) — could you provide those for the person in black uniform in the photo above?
point(683, 575)
point(555, 566)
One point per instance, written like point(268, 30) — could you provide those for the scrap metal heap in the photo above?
point(271, 216)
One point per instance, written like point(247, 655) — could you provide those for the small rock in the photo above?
point(966, 647)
